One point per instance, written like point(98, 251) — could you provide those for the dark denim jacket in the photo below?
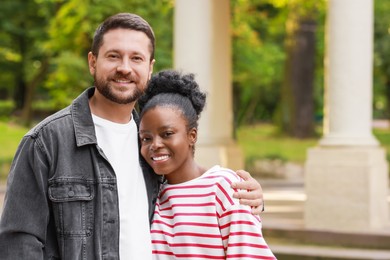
point(62, 200)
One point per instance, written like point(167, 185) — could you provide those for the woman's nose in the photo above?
point(156, 144)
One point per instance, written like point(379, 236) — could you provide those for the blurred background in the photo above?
point(277, 91)
point(43, 64)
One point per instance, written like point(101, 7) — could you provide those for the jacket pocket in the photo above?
point(72, 207)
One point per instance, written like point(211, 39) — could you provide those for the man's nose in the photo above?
point(124, 67)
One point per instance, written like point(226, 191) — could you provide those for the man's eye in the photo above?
point(137, 58)
point(113, 56)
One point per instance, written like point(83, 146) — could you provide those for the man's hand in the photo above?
point(253, 196)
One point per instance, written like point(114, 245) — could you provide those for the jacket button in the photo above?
point(71, 193)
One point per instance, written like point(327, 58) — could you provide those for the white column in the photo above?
point(348, 79)
point(202, 45)
point(346, 176)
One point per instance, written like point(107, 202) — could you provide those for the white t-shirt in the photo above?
point(120, 145)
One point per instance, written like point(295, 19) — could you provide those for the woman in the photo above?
point(196, 216)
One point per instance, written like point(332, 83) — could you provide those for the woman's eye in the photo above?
point(167, 134)
point(145, 139)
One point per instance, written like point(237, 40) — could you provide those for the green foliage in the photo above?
point(69, 28)
point(381, 59)
point(61, 31)
point(69, 78)
point(259, 33)
point(6, 108)
point(257, 59)
point(71, 31)
point(22, 33)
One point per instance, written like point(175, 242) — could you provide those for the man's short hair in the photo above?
point(124, 21)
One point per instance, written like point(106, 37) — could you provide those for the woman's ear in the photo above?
point(193, 136)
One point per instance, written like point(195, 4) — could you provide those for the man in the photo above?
point(77, 188)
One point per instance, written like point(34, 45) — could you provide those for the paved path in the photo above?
point(284, 202)
point(284, 208)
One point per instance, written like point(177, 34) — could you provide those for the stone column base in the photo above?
point(346, 188)
point(228, 156)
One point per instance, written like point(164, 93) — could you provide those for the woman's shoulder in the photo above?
point(222, 174)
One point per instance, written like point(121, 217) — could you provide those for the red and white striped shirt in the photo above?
point(200, 219)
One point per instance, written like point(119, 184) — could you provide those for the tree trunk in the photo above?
point(20, 90)
point(20, 78)
point(27, 111)
point(297, 107)
point(387, 94)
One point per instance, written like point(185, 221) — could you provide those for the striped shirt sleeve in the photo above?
point(240, 229)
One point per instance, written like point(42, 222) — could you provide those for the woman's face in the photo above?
point(166, 143)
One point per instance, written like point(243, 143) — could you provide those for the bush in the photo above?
point(6, 108)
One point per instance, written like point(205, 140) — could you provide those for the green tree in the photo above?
point(44, 49)
point(257, 59)
point(71, 32)
point(25, 62)
point(277, 62)
point(381, 59)
point(44, 45)
point(297, 107)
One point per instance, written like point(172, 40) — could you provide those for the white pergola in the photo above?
point(346, 175)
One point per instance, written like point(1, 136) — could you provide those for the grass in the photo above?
point(10, 137)
point(383, 136)
point(261, 141)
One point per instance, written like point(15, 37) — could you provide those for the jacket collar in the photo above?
point(82, 118)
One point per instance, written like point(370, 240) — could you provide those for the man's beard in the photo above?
point(106, 90)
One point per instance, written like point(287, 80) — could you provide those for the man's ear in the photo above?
point(91, 63)
point(151, 68)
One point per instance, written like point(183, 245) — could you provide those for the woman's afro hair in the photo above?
point(172, 81)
